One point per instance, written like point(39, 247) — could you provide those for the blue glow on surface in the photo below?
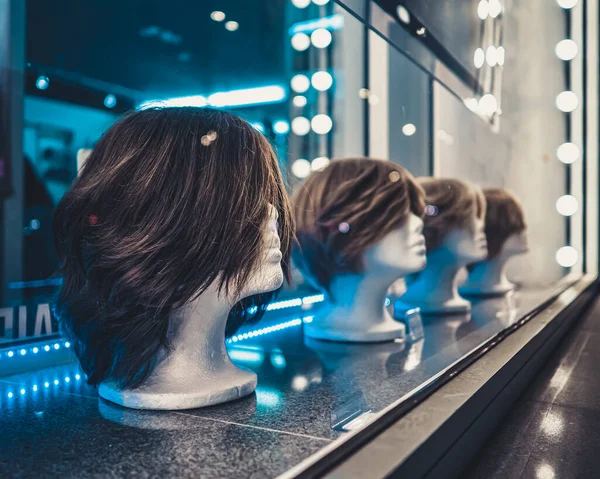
point(333, 22)
point(308, 319)
point(42, 83)
point(267, 397)
point(278, 361)
point(281, 127)
point(242, 97)
point(245, 356)
point(258, 126)
point(34, 224)
point(388, 301)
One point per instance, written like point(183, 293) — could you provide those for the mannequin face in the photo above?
point(400, 252)
point(269, 274)
point(516, 244)
point(468, 245)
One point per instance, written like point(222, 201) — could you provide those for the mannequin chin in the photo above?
point(489, 277)
point(435, 289)
point(355, 311)
point(197, 371)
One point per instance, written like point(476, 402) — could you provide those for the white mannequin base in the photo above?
point(456, 305)
point(330, 328)
point(235, 384)
point(499, 289)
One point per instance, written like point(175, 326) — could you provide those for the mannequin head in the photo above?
point(358, 216)
point(171, 204)
point(454, 218)
point(505, 225)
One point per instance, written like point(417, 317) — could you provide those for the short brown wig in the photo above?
point(504, 218)
point(350, 205)
point(451, 204)
point(169, 201)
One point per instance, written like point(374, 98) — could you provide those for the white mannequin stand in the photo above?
point(197, 371)
point(435, 289)
point(355, 310)
point(489, 277)
point(359, 313)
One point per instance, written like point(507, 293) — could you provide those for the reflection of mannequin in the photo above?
point(506, 236)
point(502, 310)
point(158, 244)
point(357, 367)
point(359, 229)
point(454, 230)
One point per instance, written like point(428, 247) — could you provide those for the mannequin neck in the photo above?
point(197, 338)
point(361, 297)
point(437, 281)
point(490, 273)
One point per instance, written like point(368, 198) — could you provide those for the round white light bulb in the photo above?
point(300, 42)
point(301, 3)
point(217, 16)
point(483, 9)
point(566, 4)
point(232, 26)
point(300, 83)
point(479, 58)
point(300, 125)
point(320, 38)
point(567, 256)
point(488, 105)
point(319, 163)
point(495, 8)
point(299, 101)
point(566, 50)
point(320, 2)
point(321, 80)
point(403, 14)
point(321, 124)
point(568, 153)
point(567, 205)
point(301, 168)
point(409, 129)
point(500, 54)
point(566, 101)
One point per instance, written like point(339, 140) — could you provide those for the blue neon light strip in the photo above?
point(22, 391)
point(38, 349)
point(333, 22)
point(270, 329)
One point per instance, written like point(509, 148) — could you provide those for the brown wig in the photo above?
point(504, 218)
point(169, 201)
point(451, 204)
point(350, 205)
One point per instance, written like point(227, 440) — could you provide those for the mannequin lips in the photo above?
point(274, 253)
point(420, 245)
